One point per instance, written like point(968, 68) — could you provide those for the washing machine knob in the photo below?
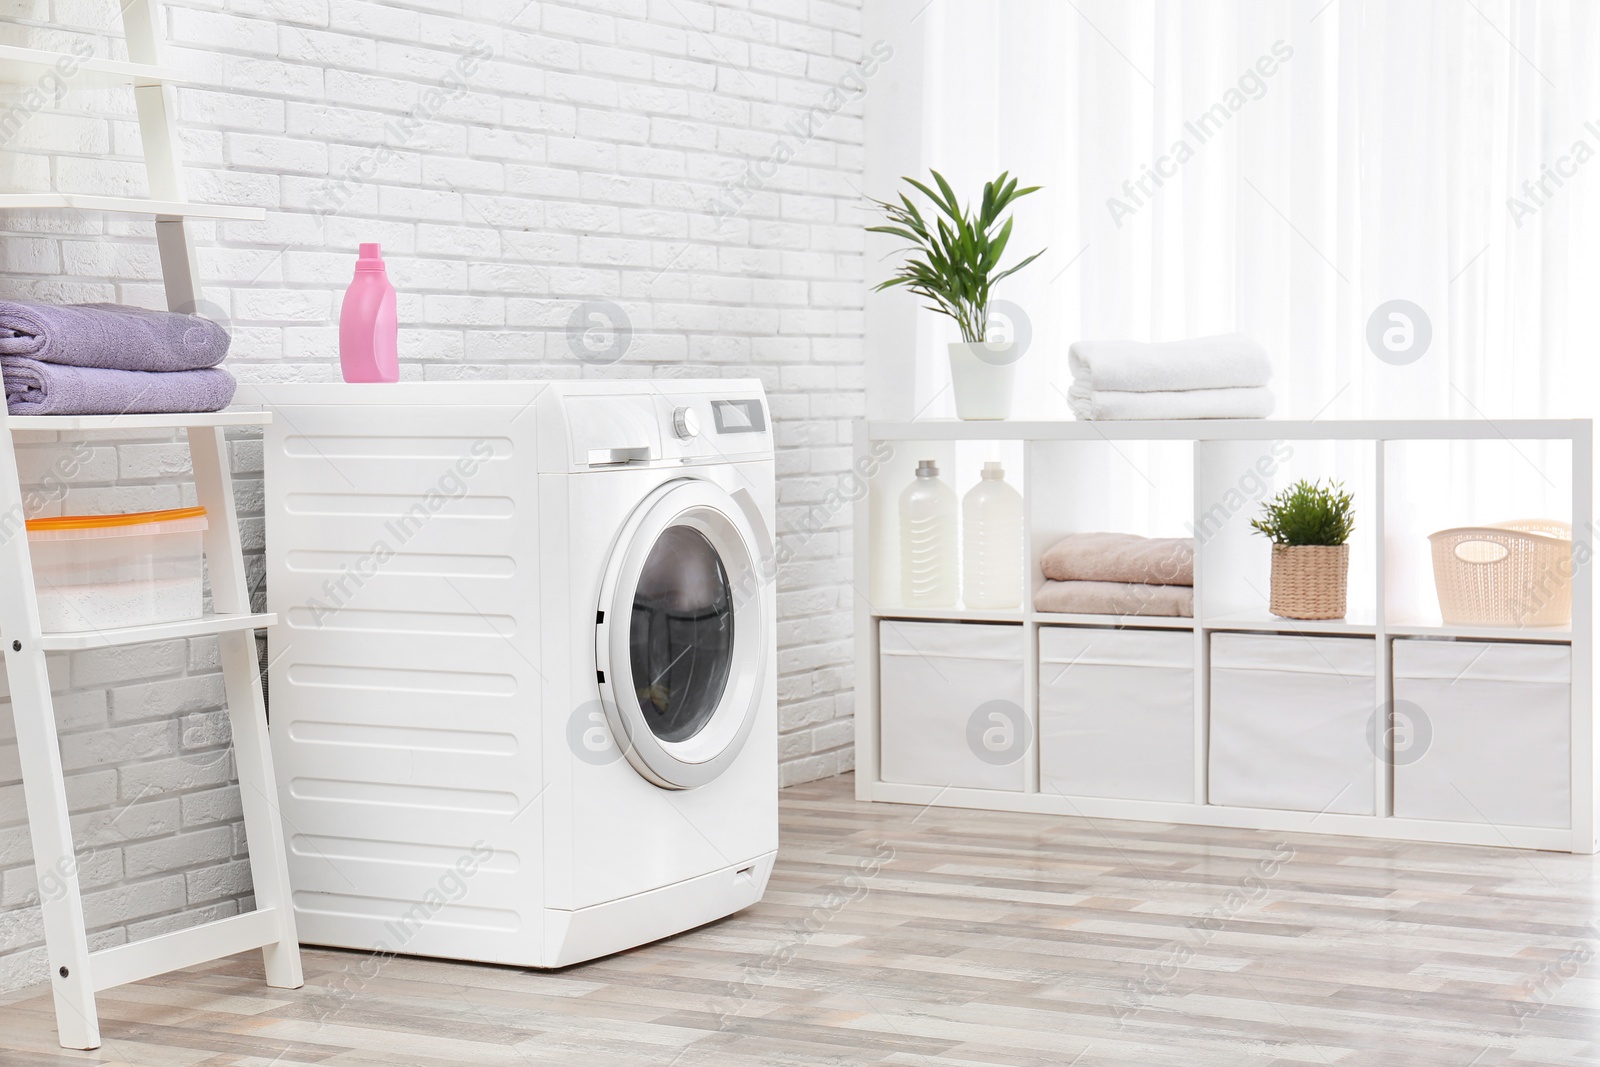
point(686, 423)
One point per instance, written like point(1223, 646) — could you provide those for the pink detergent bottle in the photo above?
point(369, 331)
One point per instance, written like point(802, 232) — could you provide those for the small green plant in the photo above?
point(953, 263)
point(1308, 513)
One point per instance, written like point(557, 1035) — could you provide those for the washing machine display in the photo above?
point(738, 416)
point(677, 647)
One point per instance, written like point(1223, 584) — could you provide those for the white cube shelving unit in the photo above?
point(1207, 479)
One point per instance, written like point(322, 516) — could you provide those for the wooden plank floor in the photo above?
point(901, 936)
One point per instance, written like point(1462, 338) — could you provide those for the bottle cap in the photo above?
point(927, 468)
point(371, 257)
point(993, 469)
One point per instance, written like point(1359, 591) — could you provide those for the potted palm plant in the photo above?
point(953, 261)
point(1309, 525)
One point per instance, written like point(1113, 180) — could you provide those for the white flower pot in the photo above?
point(984, 376)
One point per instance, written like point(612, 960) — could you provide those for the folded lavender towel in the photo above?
point(110, 336)
point(1115, 598)
point(1120, 557)
point(35, 388)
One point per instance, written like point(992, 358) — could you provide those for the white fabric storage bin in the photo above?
point(951, 700)
point(1116, 713)
point(1290, 722)
point(1490, 732)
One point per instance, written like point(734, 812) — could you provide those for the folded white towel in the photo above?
point(1252, 403)
point(1227, 361)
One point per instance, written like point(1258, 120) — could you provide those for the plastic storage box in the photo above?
point(103, 572)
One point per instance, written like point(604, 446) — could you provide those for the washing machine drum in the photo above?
point(681, 647)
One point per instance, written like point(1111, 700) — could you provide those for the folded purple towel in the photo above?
point(110, 336)
point(35, 388)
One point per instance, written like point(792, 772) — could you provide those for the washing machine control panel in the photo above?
point(712, 427)
point(663, 425)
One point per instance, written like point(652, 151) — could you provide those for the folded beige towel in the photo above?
point(1115, 598)
point(1120, 557)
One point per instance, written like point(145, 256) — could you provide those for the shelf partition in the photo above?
point(163, 210)
point(1235, 430)
point(204, 626)
point(28, 66)
point(1072, 475)
point(232, 417)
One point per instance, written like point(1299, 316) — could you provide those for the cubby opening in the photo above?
point(1136, 487)
point(1436, 485)
point(1233, 563)
point(893, 468)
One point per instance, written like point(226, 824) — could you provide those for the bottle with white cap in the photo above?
point(928, 559)
point(991, 518)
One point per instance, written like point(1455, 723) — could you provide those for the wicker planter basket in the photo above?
point(1309, 581)
point(1505, 574)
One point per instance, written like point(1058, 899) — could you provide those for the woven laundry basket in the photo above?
point(1505, 574)
point(1309, 581)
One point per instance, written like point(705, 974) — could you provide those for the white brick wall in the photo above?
point(696, 164)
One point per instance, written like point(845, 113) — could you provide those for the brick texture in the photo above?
point(691, 169)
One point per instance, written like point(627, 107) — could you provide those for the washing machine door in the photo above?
point(681, 645)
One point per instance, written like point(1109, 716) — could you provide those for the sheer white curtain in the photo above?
point(1315, 161)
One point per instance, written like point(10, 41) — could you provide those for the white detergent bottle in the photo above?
point(928, 541)
point(991, 529)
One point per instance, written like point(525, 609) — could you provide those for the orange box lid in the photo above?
point(103, 522)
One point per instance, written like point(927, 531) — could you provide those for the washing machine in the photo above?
point(522, 688)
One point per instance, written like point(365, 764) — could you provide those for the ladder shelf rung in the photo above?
point(26, 66)
point(139, 960)
point(161, 631)
point(128, 205)
point(88, 423)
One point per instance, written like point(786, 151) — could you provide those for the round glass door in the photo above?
point(679, 643)
point(681, 635)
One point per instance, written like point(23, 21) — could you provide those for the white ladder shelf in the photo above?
point(76, 973)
